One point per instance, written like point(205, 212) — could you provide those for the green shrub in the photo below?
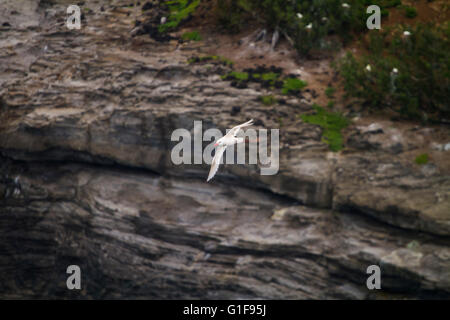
point(329, 92)
point(270, 76)
point(384, 3)
point(229, 15)
point(410, 12)
point(269, 79)
point(268, 100)
point(422, 159)
point(327, 17)
point(292, 85)
point(236, 75)
point(282, 15)
point(219, 59)
point(330, 105)
point(179, 10)
point(193, 36)
point(420, 89)
point(332, 124)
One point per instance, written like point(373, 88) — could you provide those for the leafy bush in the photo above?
point(422, 159)
point(270, 78)
point(268, 100)
point(293, 85)
point(330, 104)
point(319, 18)
point(329, 92)
point(410, 12)
point(332, 124)
point(419, 89)
point(230, 15)
point(236, 75)
point(179, 10)
point(384, 3)
point(193, 36)
point(219, 59)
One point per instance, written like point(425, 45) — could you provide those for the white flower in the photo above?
point(395, 70)
point(163, 20)
point(324, 19)
point(299, 15)
point(368, 68)
point(309, 26)
point(345, 5)
point(406, 33)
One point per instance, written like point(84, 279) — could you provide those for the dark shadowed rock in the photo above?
point(126, 231)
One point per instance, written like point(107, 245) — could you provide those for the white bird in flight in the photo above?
point(221, 144)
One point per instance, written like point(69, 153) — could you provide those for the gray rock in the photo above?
point(125, 230)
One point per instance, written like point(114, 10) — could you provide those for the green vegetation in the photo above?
point(269, 76)
point(218, 59)
point(383, 4)
point(330, 105)
point(329, 92)
point(420, 87)
point(292, 85)
point(280, 121)
point(332, 124)
point(327, 17)
point(191, 36)
point(268, 100)
point(179, 10)
point(269, 79)
point(422, 159)
point(410, 12)
point(236, 75)
point(407, 73)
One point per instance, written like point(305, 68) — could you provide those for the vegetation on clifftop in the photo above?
point(409, 73)
point(401, 68)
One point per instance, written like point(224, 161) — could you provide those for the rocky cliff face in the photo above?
point(86, 179)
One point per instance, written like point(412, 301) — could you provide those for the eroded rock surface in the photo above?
point(126, 231)
point(87, 117)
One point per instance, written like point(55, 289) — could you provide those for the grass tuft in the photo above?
point(293, 85)
point(242, 76)
point(191, 36)
point(332, 124)
point(179, 10)
point(329, 92)
point(268, 100)
point(422, 159)
point(410, 12)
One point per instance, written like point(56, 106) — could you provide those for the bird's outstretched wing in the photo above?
point(216, 162)
point(234, 131)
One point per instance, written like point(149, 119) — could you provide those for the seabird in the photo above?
point(221, 144)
